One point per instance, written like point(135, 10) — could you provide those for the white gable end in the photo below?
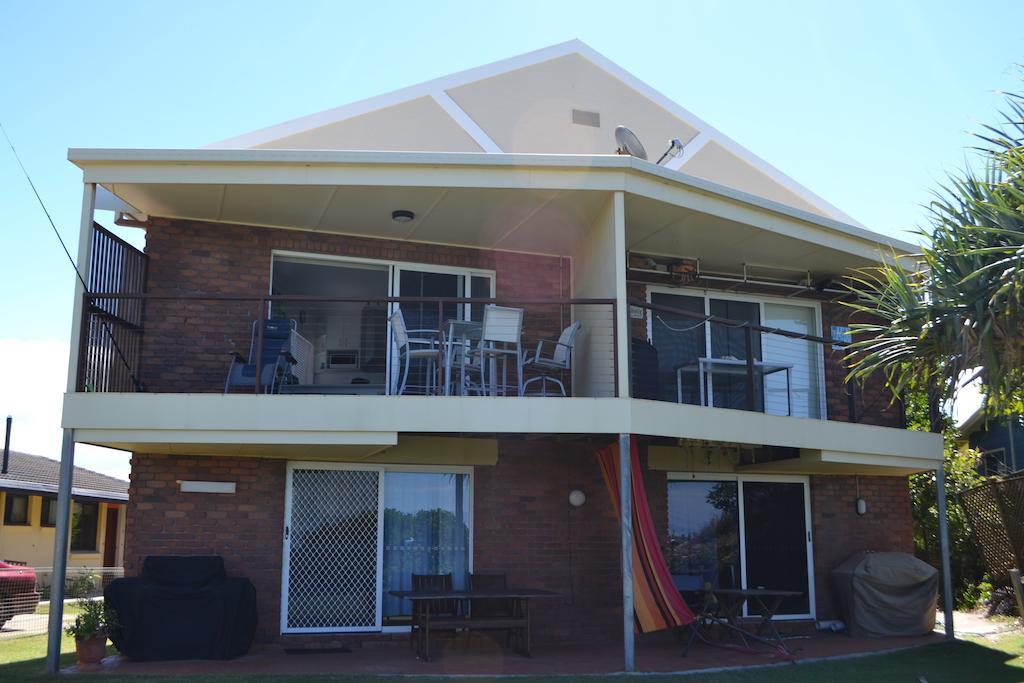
point(565, 99)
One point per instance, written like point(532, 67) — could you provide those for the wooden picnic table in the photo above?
point(517, 621)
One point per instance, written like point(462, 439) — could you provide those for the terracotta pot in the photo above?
point(91, 650)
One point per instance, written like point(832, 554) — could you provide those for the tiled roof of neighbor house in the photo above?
point(37, 474)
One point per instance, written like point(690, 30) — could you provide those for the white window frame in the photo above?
point(381, 469)
point(394, 269)
point(766, 478)
point(760, 300)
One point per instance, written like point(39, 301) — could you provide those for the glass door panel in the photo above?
point(679, 340)
point(332, 551)
point(419, 283)
point(426, 531)
point(776, 545)
point(703, 534)
point(728, 383)
point(804, 390)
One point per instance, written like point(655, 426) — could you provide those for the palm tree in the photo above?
point(956, 311)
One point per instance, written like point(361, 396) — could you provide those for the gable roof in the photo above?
point(524, 105)
point(37, 474)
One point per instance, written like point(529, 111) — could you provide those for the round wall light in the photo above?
point(577, 498)
point(402, 216)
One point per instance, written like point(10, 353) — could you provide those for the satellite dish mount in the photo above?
point(629, 144)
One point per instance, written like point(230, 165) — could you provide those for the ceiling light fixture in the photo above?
point(402, 216)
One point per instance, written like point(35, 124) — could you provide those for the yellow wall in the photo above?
point(33, 543)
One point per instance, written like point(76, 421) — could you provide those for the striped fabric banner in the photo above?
point(656, 601)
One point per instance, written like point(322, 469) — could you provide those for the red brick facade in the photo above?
point(244, 528)
point(871, 401)
point(839, 532)
point(523, 526)
point(186, 343)
point(523, 523)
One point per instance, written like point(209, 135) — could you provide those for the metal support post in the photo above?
point(60, 553)
point(947, 579)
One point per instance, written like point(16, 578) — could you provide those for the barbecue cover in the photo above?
point(183, 608)
point(886, 594)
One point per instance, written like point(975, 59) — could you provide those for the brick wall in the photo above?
point(524, 526)
point(186, 344)
point(244, 528)
point(840, 532)
point(872, 402)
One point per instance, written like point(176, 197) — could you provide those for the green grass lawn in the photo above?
point(959, 662)
point(70, 609)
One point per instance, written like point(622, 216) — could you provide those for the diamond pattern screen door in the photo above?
point(332, 549)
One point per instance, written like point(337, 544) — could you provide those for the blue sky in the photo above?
point(867, 104)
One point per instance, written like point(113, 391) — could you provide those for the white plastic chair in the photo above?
point(501, 339)
point(559, 360)
point(424, 345)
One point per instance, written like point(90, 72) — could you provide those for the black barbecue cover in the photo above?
point(183, 607)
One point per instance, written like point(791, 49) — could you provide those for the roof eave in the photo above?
point(88, 157)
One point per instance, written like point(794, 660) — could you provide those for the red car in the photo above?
point(18, 594)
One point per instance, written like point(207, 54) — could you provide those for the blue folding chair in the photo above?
point(275, 361)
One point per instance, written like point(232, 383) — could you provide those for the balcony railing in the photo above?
point(689, 356)
point(348, 345)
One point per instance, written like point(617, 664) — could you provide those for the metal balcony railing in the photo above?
point(348, 345)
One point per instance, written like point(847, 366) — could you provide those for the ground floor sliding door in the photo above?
point(353, 533)
point(731, 531)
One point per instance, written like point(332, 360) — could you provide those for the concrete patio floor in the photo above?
point(482, 656)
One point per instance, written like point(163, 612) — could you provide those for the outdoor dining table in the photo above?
point(518, 621)
point(724, 606)
point(458, 335)
point(734, 367)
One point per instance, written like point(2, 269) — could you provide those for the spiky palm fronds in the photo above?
point(963, 308)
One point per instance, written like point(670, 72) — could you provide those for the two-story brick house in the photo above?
point(708, 295)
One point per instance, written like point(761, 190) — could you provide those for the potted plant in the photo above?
point(94, 622)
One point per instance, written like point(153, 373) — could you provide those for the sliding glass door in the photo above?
point(741, 532)
point(805, 393)
point(355, 532)
point(790, 378)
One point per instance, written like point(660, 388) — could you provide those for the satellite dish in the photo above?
point(629, 143)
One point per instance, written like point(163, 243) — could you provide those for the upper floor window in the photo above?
point(16, 510)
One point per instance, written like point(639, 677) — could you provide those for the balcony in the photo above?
point(384, 346)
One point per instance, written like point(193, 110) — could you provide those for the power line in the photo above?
point(106, 327)
point(43, 205)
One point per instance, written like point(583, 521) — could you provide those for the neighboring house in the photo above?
point(496, 185)
point(28, 499)
point(999, 440)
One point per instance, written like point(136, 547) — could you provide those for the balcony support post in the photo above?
point(947, 579)
point(67, 450)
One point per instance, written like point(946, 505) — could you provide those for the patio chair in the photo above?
point(413, 345)
point(551, 359)
point(501, 340)
point(491, 607)
point(276, 360)
point(438, 608)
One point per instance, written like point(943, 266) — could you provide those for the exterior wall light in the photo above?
point(862, 507)
point(402, 216)
point(577, 498)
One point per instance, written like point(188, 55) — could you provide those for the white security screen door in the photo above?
point(332, 550)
